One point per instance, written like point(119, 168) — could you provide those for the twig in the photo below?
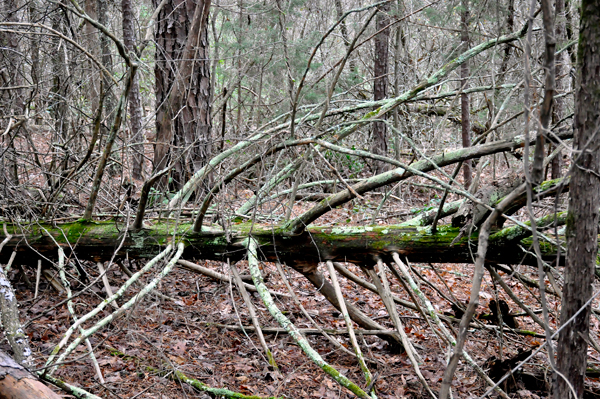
point(384, 291)
point(68, 388)
point(10, 261)
point(439, 212)
point(67, 285)
point(217, 392)
point(317, 329)
point(344, 310)
point(436, 319)
point(290, 327)
point(475, 287)
point(307, 331)
point(92, 330)
point(335, 171)
point(371, 287)
point(37, 278)
point(219, 276)
point(109, 292)
point(7, 239)
point(516, 299)
point(252, 312)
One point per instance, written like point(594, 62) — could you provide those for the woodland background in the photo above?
point(295, 198)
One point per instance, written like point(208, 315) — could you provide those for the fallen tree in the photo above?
point(363, 245)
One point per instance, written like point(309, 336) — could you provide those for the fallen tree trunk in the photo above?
point(357, 244)
point(18, 383)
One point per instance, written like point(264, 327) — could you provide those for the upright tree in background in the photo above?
point(92, 40)
point(465, 114)
point(346, 38)
point(59, 106)
point(106, 58)
point(135, 102)
point(11, 101)
point(582, 224)
point(183, 92)
point(380, 82)
point(561, 68)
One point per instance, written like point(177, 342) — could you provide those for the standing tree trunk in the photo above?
point(11, 101)
point(561, 68)
point(464, 97)
point(135, 102)
point(582, 224)
point(106, 58)
point(380, 83)
point(183, 91)
point(346, 37)
point(59, 106)
point(92, 40)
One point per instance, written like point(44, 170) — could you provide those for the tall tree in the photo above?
point(60, 88)
point(183, 91)
point(562, 83)
point(106, 56)
point(582, 224)
point(11, 102)
point(464, 97)
point(135, 101)
point(380, 83)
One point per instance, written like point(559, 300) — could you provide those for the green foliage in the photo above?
point(347, 165)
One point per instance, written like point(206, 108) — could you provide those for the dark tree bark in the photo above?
point(465, 113)
point(59, 106)
point(11, 101)
point(561, 68)
point(135, 101)
point(380, 83)
point(183, 89)
point(106, 58)
point(91, 34)
point(582, 224)
point(537, 173)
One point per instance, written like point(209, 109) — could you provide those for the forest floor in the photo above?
point(197, 332)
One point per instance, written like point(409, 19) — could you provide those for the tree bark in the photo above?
point(582, 223)
point(106, 58)
point(135, 101)
point(465, 113)
point(561, 68)
point(59, 107)
point(18, 383)
point(9, 313)
point(11, 101)
point(380, 83)
point(183, 91)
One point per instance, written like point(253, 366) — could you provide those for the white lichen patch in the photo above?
point(5, 289)
point(351, 230)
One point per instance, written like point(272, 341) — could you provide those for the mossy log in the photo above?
point(358, 244)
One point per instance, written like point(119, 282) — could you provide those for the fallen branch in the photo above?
point(384, 292)
point(219, 276)
point(252, 312)
point(305, 331)
point(288, 325)
point(352, 335)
